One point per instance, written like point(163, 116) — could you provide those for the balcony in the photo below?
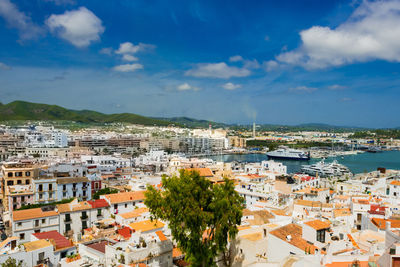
point(99, 215)
point(84, 217)
point(67, 220)
point(74, 189)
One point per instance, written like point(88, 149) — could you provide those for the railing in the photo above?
point(67, 220)
point(84, 217)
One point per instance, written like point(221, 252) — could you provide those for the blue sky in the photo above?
point(280, 62)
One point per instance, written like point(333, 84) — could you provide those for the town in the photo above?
point(77, 197)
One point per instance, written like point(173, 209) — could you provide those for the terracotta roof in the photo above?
point(161, 236)
point(72, 180)
point(381, 223)
point(20, 215)
point(98, 203)
point(252, 237)
point(341, 212)
point(38, 244)
point(134, 213)
point(204, 172)
point(395, 182)
point(295, 231)
point(176, 253)
point(125, 197)
point(60, 241)
point(347, 264)
point(146, 226)
point(318, 224)
point(99, 246)
point(125, 232)
point(74, 206)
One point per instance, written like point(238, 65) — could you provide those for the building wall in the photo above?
point(28, 227)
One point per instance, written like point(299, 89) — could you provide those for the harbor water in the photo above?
point(358, 163)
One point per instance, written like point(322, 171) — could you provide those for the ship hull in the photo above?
point(286, 158)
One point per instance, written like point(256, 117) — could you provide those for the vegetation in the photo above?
point(104, 191)
point(380, 133)
point(21, 110)
point(11, 262)
point(34, 206)
point(201, 216)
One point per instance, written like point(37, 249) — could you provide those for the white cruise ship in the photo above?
point(288, 153)
point(326, 169)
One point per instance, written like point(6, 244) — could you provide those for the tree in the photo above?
point(201, 215)
point(104, 191)
point(11, 262)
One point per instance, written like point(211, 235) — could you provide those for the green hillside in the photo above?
point(21, 110)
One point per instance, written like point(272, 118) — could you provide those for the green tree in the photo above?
point(104, 191)
point(11, 262)
point(201, 215)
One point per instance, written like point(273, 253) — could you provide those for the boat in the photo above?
point(288, 153)
point(326, 169)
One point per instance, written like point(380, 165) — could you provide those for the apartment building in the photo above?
point(74, 187)
point(45, 189)
point(24, 223)
point(123, 202)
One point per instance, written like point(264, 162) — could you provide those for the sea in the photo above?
point(359, 163)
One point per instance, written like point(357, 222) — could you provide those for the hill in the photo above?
point(22, 110)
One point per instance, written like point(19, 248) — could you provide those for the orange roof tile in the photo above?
point(395, 182)
point(341, 212)
point(381, 223)
point(146, 226)
point(346, 264)
point(161, 236)
point(204, 172)
point(69, 207)
point(296, 232)
point(134, 213)
point(125, 197)
point(318, 224)
point(20, 215)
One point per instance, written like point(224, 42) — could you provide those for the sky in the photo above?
point(275, 62)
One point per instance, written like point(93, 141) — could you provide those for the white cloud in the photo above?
point(106, 51)
point(4, 66)
point(128, 57)
point(371, 33)
point(187, 87)
point(19, 20)
point(231, 86)
point(217, 70)
point(79, 27)
point(270, 65)
point(336, 87)
point(236, 58)
point(129, 48)
point(128, 67)
point(303, 89)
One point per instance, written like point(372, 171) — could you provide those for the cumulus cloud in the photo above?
point(303, 89)
point(231, 86)
point(128, 67)
point(336, 87)
point(236, 58)
point(79, 27)
point(19, 20)
point(128, 57)
point(270, 65)
point(217, 70)
point(370, 33)
point(187, 87)
point(129, 48)
point(4, 66)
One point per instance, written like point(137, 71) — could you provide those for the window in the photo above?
point(84, 224)
point(36, 223)
point(40, 187)
point(19, 224)
point(27, 174)
point(41, 256)
point(37, 231)
point(43, 220)
point(321, 236)
point(98, 212)
point(40, 196)
point(64, 195)
point(64, 187)
point(19, 181)
point(50, 187)
point(74, 194)
point(23, 198)
point(27, 181)
point(18, 174)
point(10, 182)
point(10, 174)
point(126, 205)
point(115, 206)
point(67, 227)
point(22, 236)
